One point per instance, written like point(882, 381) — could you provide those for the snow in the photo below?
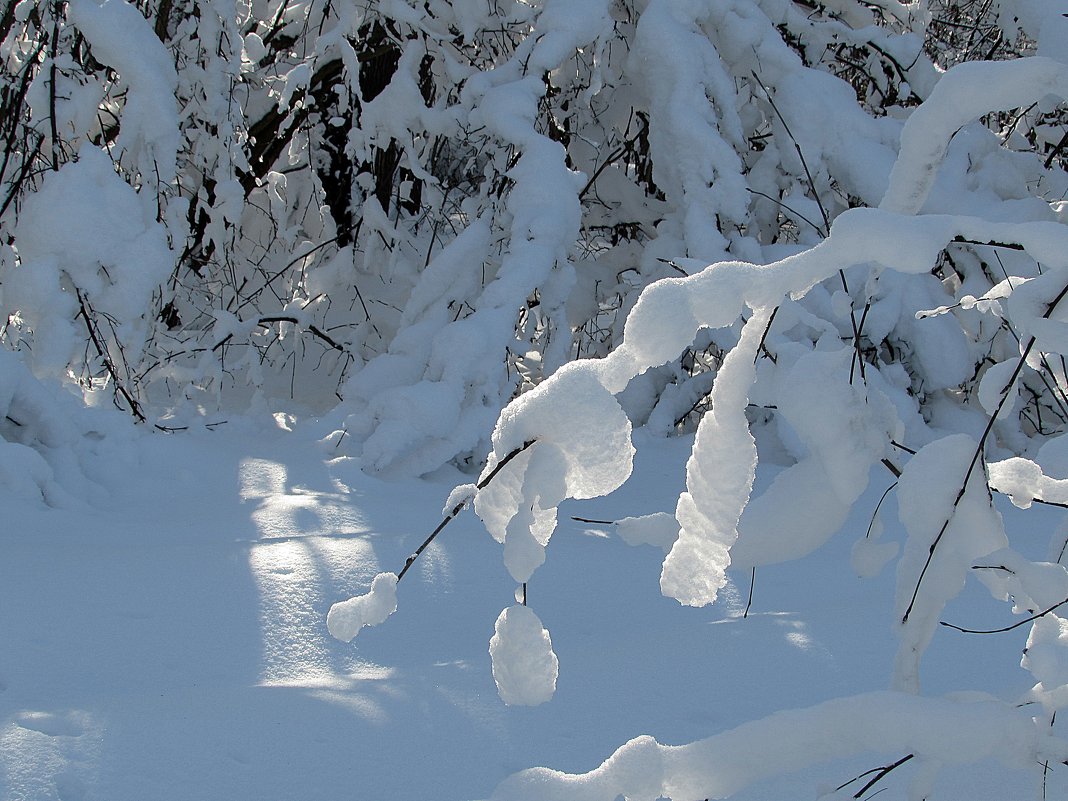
point(948, 531)
point(1023, 481)
point(965, 92)
point(521, 652)
point(123, 39)
point(660, 529)
point(87, 224)
point(173, 594)
point(720, 766)
point(180, 620)
point(719, 477)
point(346, 618)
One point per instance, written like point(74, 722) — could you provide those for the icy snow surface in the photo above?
point(170, 642)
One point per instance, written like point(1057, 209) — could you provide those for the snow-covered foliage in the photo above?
point(829, 238)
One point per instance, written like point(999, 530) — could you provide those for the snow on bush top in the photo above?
point(574, 413)
point(123, 39)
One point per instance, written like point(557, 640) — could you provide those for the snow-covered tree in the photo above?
point(828, 237)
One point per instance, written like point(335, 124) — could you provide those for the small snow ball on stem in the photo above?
point(346, 618)
point(521, 652)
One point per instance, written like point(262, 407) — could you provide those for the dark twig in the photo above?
point(880, 773)
point(109, 365)
point(800, 155)
point(752, 584)
point(878, 506)
point(858, 356)
point(315, 330)
point(794, 212)
point(762, 347)
point(991, 244)
point(1061, 145)
point(311, 251)
point(977, 457)
point(53, 73)
point(461, 506)
point(1006, 628)
point(1045, 766)
point(826, 225)
point(596, 522)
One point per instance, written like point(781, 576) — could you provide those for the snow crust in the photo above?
point(582, 449)
point(1024, 482)
point(843, 429)
point(660, 529)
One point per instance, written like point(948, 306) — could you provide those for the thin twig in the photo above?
point(252, 297)
point(977, 457)
point(461, 506)
point(762, 347)
point(1045, 767)
point(795, 212)
point(893, 468)
point(135, 408)
point(313, 329)
point(991, 244)
point(880, 773)
point(858, 357)
point(752, 584)
point(826, 225)
point(800, 155)
point(1006, 628)
point(878, 506)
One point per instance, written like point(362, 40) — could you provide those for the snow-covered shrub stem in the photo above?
point(92, 327)
point(977, 456)
point(462, 504)
point(346, 618)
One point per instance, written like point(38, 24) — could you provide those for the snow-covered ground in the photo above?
point(170, 642)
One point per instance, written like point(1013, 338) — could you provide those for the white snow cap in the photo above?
point(521, 652)
point(346, 618)
point(582, 449)
point(659, 528)
point(574, 412)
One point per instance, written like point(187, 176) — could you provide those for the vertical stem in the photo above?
point(52, 74)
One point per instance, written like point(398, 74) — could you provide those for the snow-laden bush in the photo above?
point(838, 229)
point(423, 209)
point(980, 384)
point(880, 281)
